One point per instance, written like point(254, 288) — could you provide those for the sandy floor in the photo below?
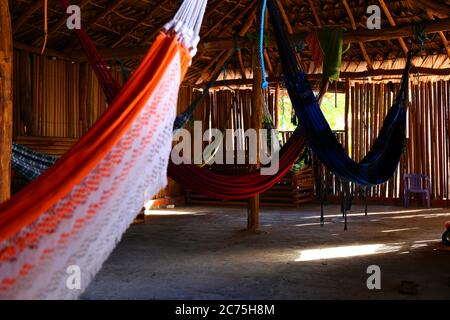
point(202, 253)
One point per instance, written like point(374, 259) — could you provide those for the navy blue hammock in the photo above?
point(381, 161)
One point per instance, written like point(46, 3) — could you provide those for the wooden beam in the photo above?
point(104, 13)
point(268, 62)
point(286, 20)
point(221, 20)
point(441, 35)
point(439, 9)
point(26, 101)
point(206, 74)
point(139, 22)
point(290, 31)
point(50, 52)
point(228, 29)
point(83, 99)
point(346, 75)
point(277, 104)
point(27, 14)
point(241, 64)
point(6, 108)
point(210, 10)
point(393, 24)
point(351, 36)
point(316, 16)
point(62, 21)
point(242, 42)
point(360, 43)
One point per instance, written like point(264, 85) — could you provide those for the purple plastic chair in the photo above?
point(416, 183)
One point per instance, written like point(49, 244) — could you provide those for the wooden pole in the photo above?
point(6, 65)
point(253, 203)
point(347, 107)
point(26, 101)
point(277, 104)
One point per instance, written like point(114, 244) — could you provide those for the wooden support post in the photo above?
point(6, 65)
point(257, 101)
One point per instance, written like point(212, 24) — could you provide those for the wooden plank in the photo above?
point(376, 120)
point(446, 97)
point(393, 24)
point(423, 131)
point(353, 108)
point(361, 44)
point(346, 115)
point(447, 124)
point(277, 104)
point(83, 87)
point(253, 203)
point(26, 104)
point(440, 134)
point(413, 143)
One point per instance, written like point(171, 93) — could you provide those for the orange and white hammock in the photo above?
point(76, 212)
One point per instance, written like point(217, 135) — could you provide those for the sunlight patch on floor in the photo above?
point(399, 230)
point(155, 212)
point(346, 251)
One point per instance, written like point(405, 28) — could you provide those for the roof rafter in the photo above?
point(441, 35)
point(27, 14)
point(139, 22)
point(393, 24)
point(104, 13)
point(360, 43)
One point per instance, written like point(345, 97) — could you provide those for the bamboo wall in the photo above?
point(220, 111)
point(429, 135)
point(55, 98)
point(47, 97)
point(428, 147)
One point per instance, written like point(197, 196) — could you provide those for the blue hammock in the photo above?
point(383, 158)
point(28, 163)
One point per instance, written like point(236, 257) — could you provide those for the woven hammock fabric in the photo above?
point(237, 187)
point(28, 163)
point(76, 212)
point(381, 161)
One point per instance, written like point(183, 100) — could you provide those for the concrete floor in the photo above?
point(203, 253)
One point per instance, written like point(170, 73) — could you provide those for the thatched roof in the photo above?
point(125, 28)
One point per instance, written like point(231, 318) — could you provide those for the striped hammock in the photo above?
point(72, 216)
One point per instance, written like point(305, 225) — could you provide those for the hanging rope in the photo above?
point(184, 117)
point(421, 37)
point(45, 27)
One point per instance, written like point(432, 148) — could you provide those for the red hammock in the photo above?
point(237, 187)
point(109, 84)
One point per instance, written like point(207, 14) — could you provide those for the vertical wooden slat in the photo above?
point(277, 104)
point(346, 115)
point(6, 103)
point(83, 98)
point(26, 104)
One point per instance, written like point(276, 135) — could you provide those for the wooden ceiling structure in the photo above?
point(124, 29)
